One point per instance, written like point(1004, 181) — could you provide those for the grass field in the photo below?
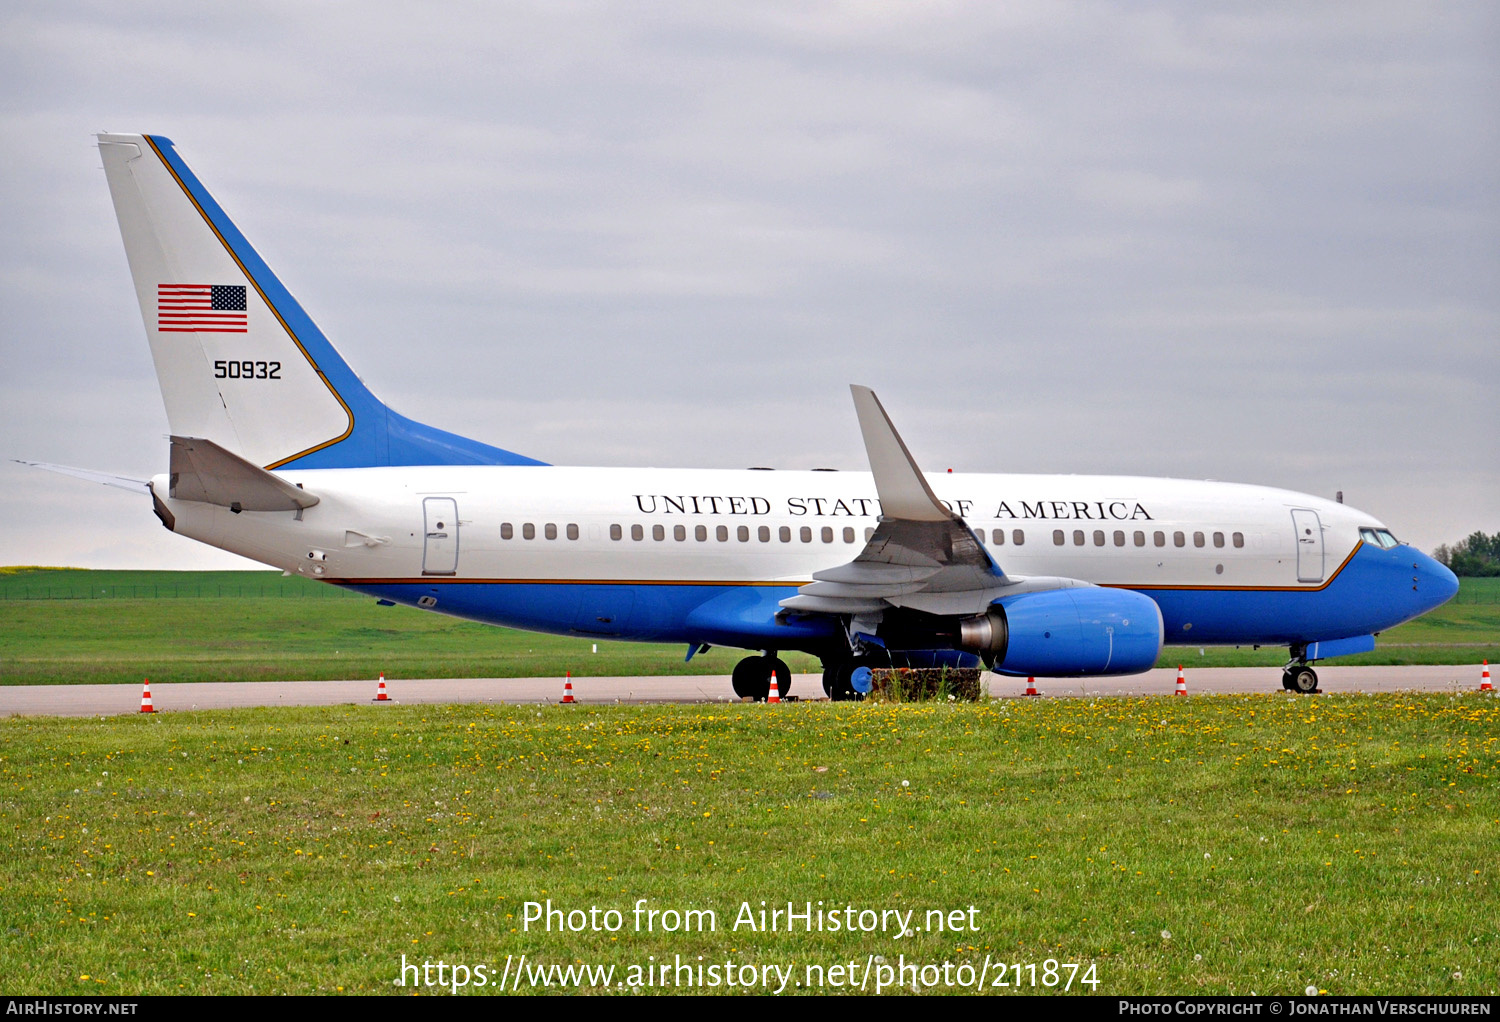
point(309, 632)
point(1194, 846)
point(71, 627)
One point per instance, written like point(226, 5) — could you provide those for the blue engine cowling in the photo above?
point(1085, 631)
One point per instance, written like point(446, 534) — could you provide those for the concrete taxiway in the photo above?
point(95, 700)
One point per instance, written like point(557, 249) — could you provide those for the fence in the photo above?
point(261, 587)
point(1472, 594)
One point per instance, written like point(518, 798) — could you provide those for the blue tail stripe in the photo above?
point(379, 436)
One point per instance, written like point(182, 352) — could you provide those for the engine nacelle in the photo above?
point(1060, 632)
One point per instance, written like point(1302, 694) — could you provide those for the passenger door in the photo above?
point(440, 548)
point(1309, 545)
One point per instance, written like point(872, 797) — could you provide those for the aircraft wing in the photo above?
point(203, 471)
point(922, 555)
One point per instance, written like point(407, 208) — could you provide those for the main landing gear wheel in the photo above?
point(1300, 679)
point(752, 677)
point(849, 680)
point(841, 691)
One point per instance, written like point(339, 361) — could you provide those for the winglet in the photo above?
point(903, 490)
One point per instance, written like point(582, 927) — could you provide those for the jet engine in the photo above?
point(1059, 632)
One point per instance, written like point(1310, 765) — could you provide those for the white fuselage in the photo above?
point(736, 527)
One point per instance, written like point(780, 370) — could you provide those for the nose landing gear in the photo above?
point(1300, 678)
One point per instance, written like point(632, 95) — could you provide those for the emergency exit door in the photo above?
point(440, 548)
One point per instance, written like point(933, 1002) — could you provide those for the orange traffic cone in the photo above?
point(380, 696)
point(775, 695)
point(146, 706)
point(1181, 683)
point(1484, 679)
point(567, 699)
point(1031, 687)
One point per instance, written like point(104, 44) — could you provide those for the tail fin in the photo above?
point(238, 361)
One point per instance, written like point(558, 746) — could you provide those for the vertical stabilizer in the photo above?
point(238, 360)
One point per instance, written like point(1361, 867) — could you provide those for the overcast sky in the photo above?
point(1255, 242)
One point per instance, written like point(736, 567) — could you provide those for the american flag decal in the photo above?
point(208, 308)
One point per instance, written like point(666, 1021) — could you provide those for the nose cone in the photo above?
point(1434, 584)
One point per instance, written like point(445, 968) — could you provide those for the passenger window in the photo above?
point(1078, 537)
point(1018, 537)
point(722, 534)
point(637, 533)
point(827, 534)
point(999, 535)
point(549, 530)
point(1057, 537)
point(615, 532)
point(506, 532)
point(848, 534)
point(528, 531)
point(806, 533)
point(1098, 537)
point(784, 534)
point(1159, 538)
point(869, 535)
point(700, 533)
point(572, 531)
point(658, 533)
point(1197, 539)
point(1218, 539)
point(1119, 538)
point(742, 534)
point(1140, 538)
point(764, 532)
point(1239, 539)
point(1179, 539)
point(679, 532)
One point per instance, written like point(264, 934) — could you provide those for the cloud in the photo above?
point(1255, 245)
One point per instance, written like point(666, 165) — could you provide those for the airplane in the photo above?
point(279, 453)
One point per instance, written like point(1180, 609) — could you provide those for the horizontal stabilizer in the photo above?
point(203, 471)
point(121, 482)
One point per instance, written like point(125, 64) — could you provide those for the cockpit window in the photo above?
point(1379, 537)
